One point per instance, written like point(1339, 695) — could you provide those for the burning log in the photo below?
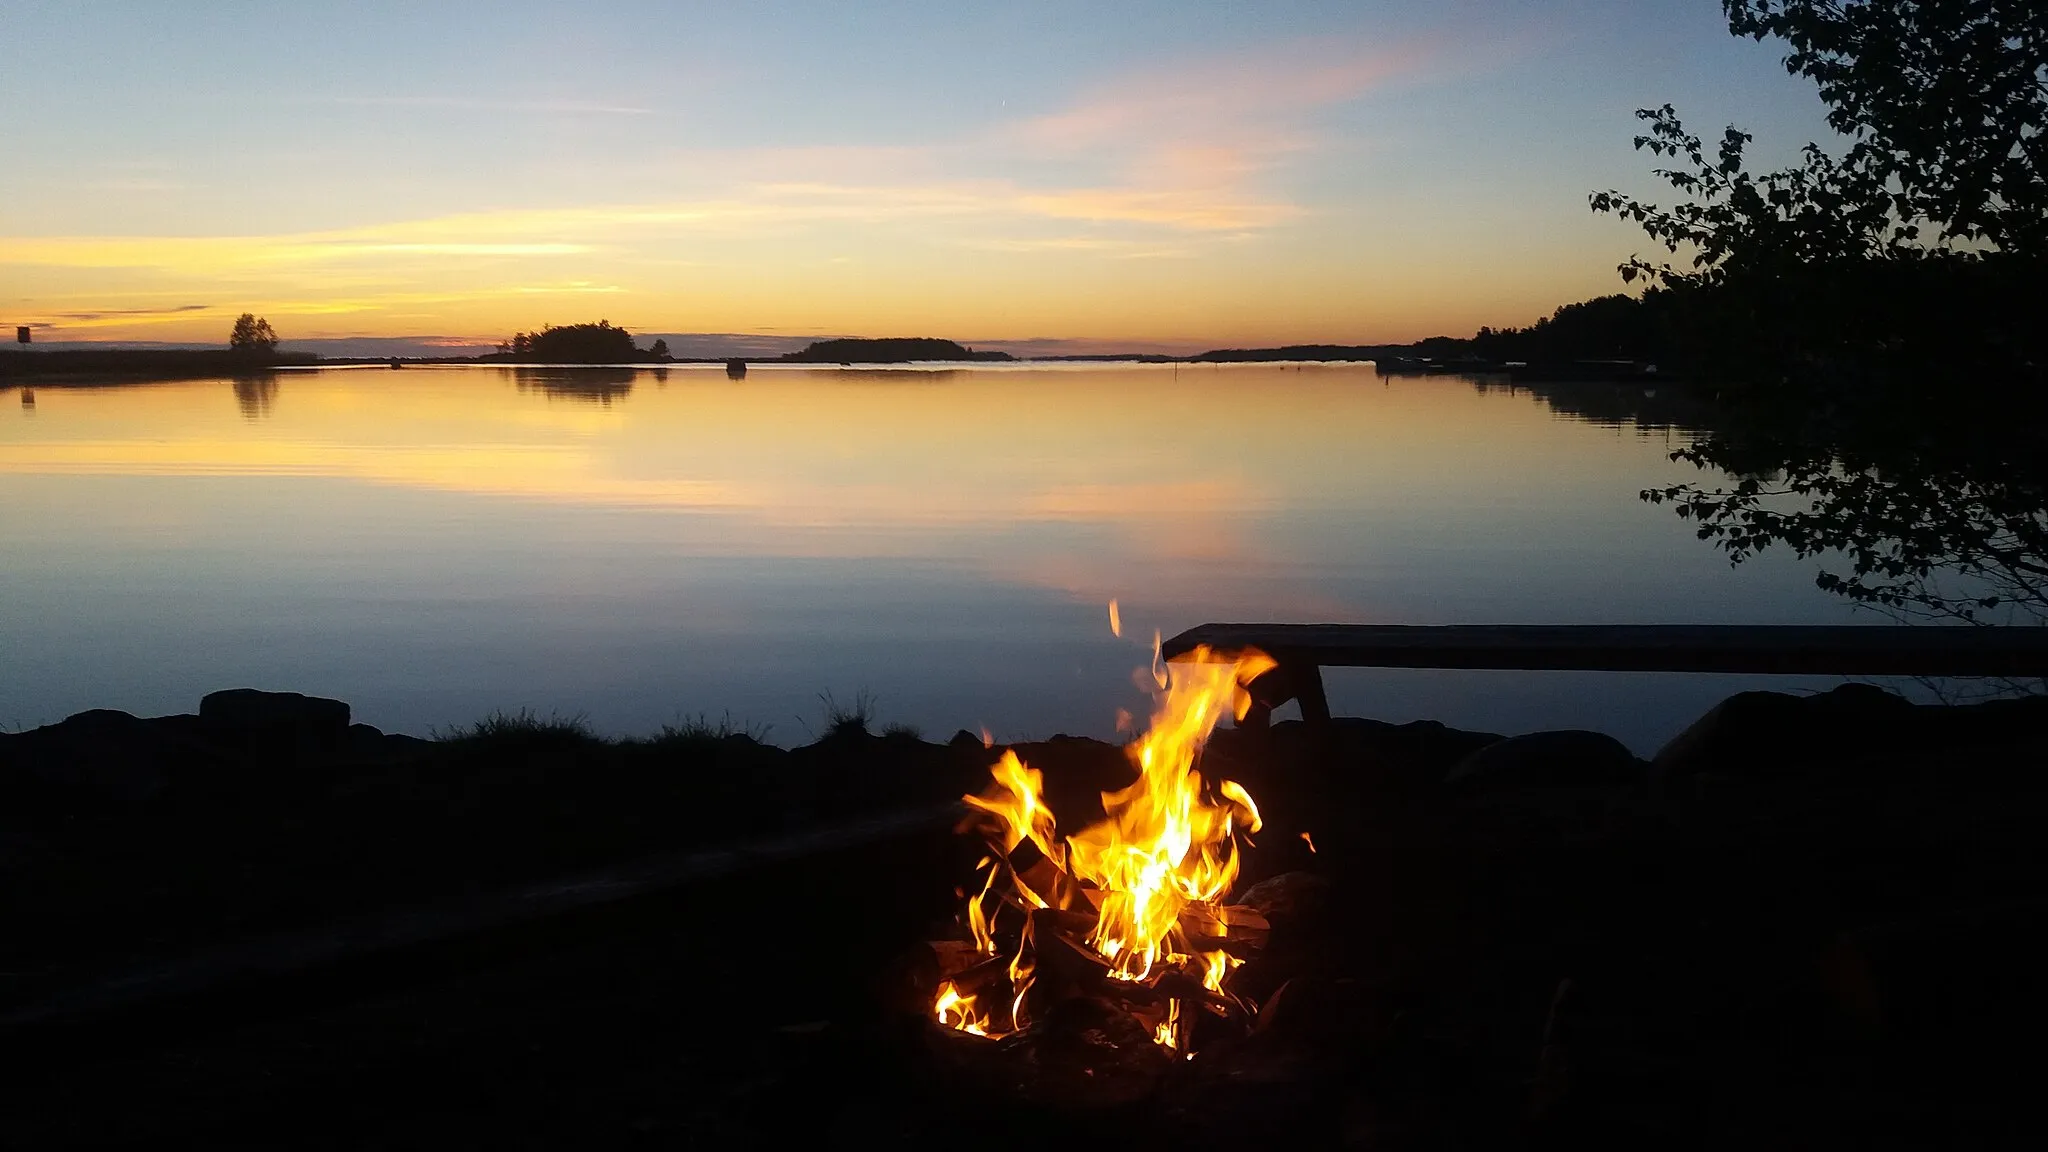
point(912, 981)
point(955, 956)
point(1237, 929)
point(1066, 967)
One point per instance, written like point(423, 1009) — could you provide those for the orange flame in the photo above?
point(1164, 843)
point(1018, 803)
point(959, 1012)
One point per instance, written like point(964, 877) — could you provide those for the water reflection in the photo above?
point(434, 544)
point(593, 385)
point(1608, 404)
point(255, 395)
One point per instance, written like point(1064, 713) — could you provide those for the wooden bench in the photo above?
point(1304, 650)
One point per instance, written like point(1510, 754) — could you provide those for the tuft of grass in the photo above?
point(701, 729)
point(902, 731)
point(848, 719)
point(523, 725)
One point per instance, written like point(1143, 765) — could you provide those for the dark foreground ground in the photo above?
point(1808, 922)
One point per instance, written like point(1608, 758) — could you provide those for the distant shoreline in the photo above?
point(71, 366)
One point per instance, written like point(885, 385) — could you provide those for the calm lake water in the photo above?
point(644, 546)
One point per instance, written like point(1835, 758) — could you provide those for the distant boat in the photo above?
point(735, 368)
point(396, 364)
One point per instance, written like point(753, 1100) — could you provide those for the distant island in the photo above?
point(894, 350)
point(1610, 338)
point(1301, 352)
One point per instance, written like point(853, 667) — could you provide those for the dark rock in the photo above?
point(1772, 735)
point(1565, 759)
point(1312, 1010)
point(1422, 749)
point(1612, 1067)
point(104, 755)
point(289, 716)
point(366, 743)
point(1963, 986)
point(964, 739)
point(1290, 900)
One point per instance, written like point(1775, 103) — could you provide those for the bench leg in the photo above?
point(1308, 688)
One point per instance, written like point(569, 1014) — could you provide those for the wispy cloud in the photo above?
point(1113, 248)
point(131, 313)
point(1192, 145)
point(579, 287)
point(479, 104)
point(1243, 98)
point(577, 231)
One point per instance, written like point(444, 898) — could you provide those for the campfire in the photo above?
point(1129, 910)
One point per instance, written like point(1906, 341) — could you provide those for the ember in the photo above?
point(1127, 910)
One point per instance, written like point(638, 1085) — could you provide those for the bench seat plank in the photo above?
point(1825, 650)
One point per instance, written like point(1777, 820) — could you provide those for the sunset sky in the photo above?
point(1166, 176)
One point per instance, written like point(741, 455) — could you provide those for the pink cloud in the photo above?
point(1237, 98)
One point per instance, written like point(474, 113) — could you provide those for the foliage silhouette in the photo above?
point(522, 727)
point(252, 336)
point(1868, 316)
point(598, 343)
point(890, 350)
point(848, 719)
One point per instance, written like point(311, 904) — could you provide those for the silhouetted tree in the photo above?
point(598, 343)
point(1945, 102)
point(888, 350)
point(660, 350)
point(1870, 315)
point(1605, 328)
point(252, 335)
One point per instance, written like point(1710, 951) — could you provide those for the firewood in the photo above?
point(1068, 922)
point(910, 983)
point(1186, 987)
point(1060, 953)
point(982, 977)
point(955, 956)
point(1235, 929)
point(1035, 870)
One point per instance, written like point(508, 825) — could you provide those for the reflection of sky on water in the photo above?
point(434, 544)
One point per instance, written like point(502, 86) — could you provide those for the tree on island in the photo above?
point(1870, 316)
point(660, 351)
point(598, 343)
point(252, 336)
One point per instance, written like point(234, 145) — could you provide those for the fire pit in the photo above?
point(1089, 966)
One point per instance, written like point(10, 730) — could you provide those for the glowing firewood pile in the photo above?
point(1125, 918)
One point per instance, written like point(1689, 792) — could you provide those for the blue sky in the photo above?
point(1160, 175)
